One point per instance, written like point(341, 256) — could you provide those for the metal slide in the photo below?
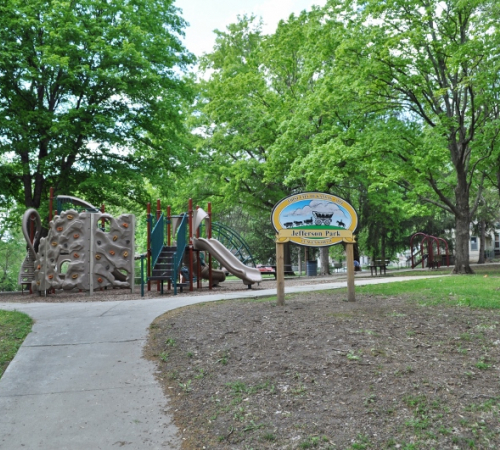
point(233, 265)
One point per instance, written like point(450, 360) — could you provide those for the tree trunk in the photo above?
point(324, 259)
point(288, 258)
point(382, 250)
point(357, 256)
point(462, 237)
point(482, 242)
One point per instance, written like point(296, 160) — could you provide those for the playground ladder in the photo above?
point(27, 271)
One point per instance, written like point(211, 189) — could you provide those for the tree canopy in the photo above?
point(429, 69)
point(91, 96)
point(393, 106)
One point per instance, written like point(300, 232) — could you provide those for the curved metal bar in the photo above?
point(413, 265)
point(32, 214)
point(236, 243)
point(61, 199)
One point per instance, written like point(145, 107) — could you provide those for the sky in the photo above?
point(204, 16)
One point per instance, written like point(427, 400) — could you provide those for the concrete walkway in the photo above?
point(79, 380)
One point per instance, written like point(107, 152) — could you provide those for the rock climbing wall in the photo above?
point(113, 251)
point(86, 251)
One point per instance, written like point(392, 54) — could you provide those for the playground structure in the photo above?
point(83, 250)
point(87, 249)
point(173, 239)
point(432, 259)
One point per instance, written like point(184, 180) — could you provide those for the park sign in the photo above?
point(314, 219)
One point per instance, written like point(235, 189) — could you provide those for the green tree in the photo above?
point(429, 69)
point(91, 96)
point(12, 252)
point(275, 120)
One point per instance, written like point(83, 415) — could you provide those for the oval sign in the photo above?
point(314, 219)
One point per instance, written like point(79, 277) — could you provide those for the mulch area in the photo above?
point(125, 294)
point(324, 373)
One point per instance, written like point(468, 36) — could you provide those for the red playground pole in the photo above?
point(209, 236)
point(190, 218)
point(158, 214)
point(148, 252)
point(169, 232)
point(51, 202)
point(198, 260)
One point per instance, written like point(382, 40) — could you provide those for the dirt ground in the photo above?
point(323, 373)
point(108, 295)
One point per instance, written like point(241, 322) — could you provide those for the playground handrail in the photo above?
point(181, 246)
point(236, 240)
point(157, 239)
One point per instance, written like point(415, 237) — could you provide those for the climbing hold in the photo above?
point(76, 235)
point(38, 267)
point(112, 252)
point(99, 280)
point(76, 255)
point(74, 276)
point(97, 257)
point(125, 254)
point(125, 225)
point(50, 277)
point(54, 244)
point(59, 228)
point(69, 216)
point(115, 237)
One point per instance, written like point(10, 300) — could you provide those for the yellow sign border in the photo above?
point(286, 235)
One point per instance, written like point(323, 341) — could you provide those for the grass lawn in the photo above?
point(14, 327)
point(480, 290)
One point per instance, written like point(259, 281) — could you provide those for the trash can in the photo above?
point(312, 268)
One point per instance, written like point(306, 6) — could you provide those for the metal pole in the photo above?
point(169, 238)
point(190, 246)
point(209, 236)
point(148, 245)
point(142, 275)
point(158, 214)
point(51, 202)
point(198, 260)
point(91, 254)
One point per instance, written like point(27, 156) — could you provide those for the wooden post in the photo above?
point(300, 268)
point(280, 273)
point(351, 297)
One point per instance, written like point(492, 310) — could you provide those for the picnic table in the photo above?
point(271, 270)
point(378, 267)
